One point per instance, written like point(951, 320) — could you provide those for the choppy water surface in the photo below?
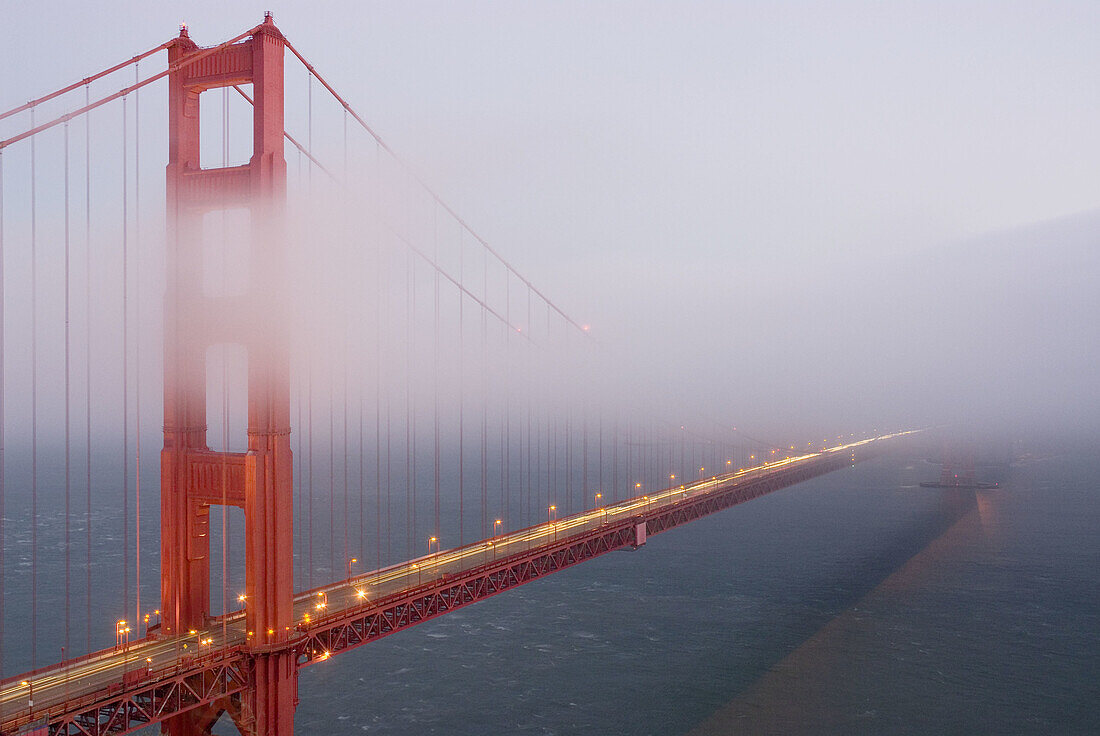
point(853, 603)
point(856, 602)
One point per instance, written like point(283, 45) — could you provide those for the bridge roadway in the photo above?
point(57, 688)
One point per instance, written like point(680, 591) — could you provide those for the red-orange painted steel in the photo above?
point(260, 480)
point(189, 695)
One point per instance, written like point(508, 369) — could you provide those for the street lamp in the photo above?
point(551, 518)
point(431, 541)
point(351, 562)
point(322, 601)
point(497, 526)
point(30, 696)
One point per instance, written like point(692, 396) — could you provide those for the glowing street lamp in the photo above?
point(497, 527)
point(322, 601)
point(672, 483)
point(198, 641)
point(431, 541)
point(352, 562)
point(552, 518)
point(122, 634)
point(30, 694)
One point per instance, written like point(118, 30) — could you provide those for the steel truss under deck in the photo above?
point(224, 678)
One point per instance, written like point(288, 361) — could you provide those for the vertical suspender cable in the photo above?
point(332, 473)
point(629, 458)
point(389, 481)
point(362, 479)
point(225, 394)
point(584, 461)
point(506, 445)
point(309, 371)
point(88, 374)
point(298, 488)
point(484, 402)
point(225, 476)
point(3, 486)
point(298, 470)
point(599, 479)
point(309, 451)
point(410, 505)
point(378, 378)
point(461, 416)
point(68, 408)
point(309, 148)
point(435, 368)
point(298, 456)
point(137, 352)
point(529, 391)
point(344, 401)
point(125, 374)
point(615, 459)
point(412, 404)
point(347, 359)
point(34, 411)
point(362, 485)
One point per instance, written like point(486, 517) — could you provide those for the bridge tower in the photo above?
point(193, 477)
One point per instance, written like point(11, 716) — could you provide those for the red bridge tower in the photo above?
point(193, 477)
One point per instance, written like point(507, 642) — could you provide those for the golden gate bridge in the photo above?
point(411, 356)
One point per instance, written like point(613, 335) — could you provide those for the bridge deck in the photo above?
point(102, 685)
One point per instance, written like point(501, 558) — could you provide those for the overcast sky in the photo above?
point(756, 152)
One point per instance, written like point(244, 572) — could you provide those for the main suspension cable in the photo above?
point(83, 82)
point(431, 192)
point(172, 68)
